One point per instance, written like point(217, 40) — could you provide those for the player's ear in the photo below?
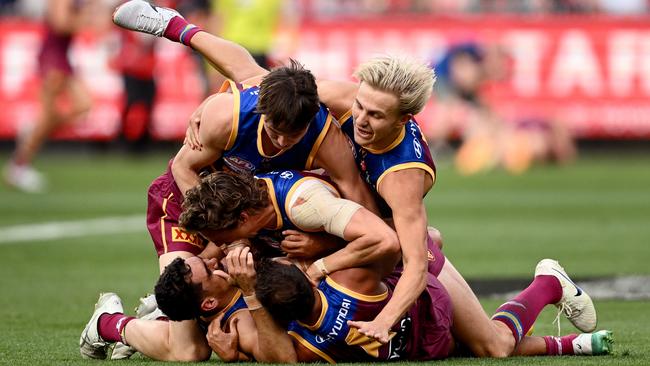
point(209, 303)
point(243, 217)
point(405, 118)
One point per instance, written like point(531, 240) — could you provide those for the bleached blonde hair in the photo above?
point(409, 79)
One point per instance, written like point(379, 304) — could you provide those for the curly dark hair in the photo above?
point(289, 98)
point(177, 297)
point(219, 200)
point(284, 290)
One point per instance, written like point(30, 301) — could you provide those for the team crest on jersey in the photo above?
point(286, 174)
point(180, 235)
point(238, 164)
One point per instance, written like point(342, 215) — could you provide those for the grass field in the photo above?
point(592, 216)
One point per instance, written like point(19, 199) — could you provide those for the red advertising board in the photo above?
point(592, 73)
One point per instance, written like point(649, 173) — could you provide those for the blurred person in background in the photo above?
point(250, 23)
point(465, 76)
point(63, 18)
point(136, 61)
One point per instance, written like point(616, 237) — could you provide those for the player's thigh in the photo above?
point(79, 94)
point(472, 326)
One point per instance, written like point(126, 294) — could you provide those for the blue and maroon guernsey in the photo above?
point(244, 152)
point(282, 184)
point(409, 150)
point(334, 341)
point(236, 305)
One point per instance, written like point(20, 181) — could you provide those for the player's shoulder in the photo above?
point(217, 116)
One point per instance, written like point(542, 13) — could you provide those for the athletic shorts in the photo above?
point(54, 55)
point(431, 316)
point(429, 321)
point(163, 209)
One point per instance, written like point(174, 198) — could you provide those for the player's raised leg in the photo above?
point(231, 59)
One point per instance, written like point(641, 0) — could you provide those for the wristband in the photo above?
point(320, 265)
point(252, 303)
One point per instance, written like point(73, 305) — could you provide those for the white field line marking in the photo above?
point(72, 229)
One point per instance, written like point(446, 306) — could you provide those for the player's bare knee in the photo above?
point(193, 353)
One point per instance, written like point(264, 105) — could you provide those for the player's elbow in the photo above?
point(389, 243)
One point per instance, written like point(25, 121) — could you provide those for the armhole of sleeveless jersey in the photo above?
point(235, 111)
point(319, 141)
point(274, 201)
point(311, 347)
point(345, 117)
point(411, 165)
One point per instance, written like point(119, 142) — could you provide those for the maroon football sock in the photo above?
point(111, 326)
point(179, 30)
point(519, 314)
point(557, 346)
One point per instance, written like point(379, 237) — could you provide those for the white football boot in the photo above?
point(575, 303)
point(24, 178)
point(91, 345)
point(141, 16)
point(593, 344)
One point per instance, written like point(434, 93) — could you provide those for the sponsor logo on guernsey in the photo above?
point(286, 174)
point(417, 147)
point(339, 322)
point(238, 164)
point(180, 235)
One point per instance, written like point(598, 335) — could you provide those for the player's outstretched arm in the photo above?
point(403, 191)
point(337, 95)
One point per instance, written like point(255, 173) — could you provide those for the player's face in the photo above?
point(282, 140)
point(248, 227)
point(203, 274)
point(376, 117)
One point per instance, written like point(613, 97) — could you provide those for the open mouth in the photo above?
point(363, 133)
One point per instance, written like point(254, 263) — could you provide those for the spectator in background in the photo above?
point(487, 139)
point(136, 61)
point(63, 19)
point(250, 23)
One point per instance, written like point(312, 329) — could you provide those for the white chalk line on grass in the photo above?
point(52, 230)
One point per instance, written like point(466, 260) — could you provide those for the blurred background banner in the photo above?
point(95, 56)
point(592, 72)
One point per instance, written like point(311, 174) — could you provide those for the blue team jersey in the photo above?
point(331, 337)
point(282, 185)
point(236, 305)
point(244, 152)
point(409, 150)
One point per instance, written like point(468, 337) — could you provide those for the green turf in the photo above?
point(592, 216)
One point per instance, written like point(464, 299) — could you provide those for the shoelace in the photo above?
point(562, 309)
point(146, 23)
